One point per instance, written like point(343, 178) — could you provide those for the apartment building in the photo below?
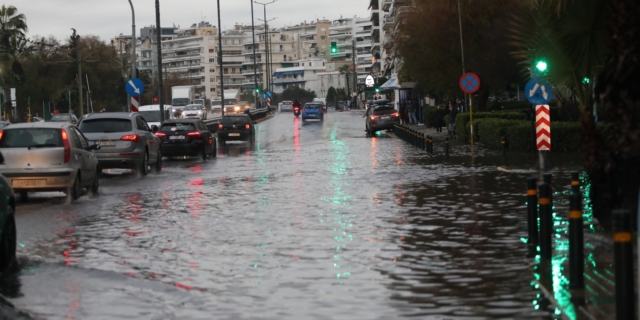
point(347, 32)
point(191, 55)
point(304, 74)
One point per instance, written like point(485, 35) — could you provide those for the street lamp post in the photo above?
point(461, 43)
point(133, 45)
point(267, 43)
point(159, 53)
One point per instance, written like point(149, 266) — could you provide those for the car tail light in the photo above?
point(131, 137)
point(196, 135)
point(67, 146)
point(1, 133)
point(247, 126)
point(374, 117)
point(220, 126)
point(161, 135)
point(395, 114)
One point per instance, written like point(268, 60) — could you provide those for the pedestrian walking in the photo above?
point(411, 112)
point(403, 112)
point(453, 112)
point(439, 115)
point(460, 105)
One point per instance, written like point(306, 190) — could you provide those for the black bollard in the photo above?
point(428, 146)
point(424, 141)
point(624, 274)
point(421, 139)
point(446, 146)
point(546, 178)
point(504, 146)
point(532, 211)
point(575, 182)
point(546, 220)
point(576, 242)
point(431, 144)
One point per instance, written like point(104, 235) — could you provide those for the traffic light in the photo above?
point(258, 90)
point(377, 89)
point(541, 66)
point(586, 80)
point(334, 47)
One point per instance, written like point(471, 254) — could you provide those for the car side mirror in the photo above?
point(154, 128)
point(95, 147)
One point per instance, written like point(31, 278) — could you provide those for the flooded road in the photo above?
point(314, 221)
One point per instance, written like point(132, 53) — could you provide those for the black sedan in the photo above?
point(237, 127)
point(186, 137)
point(8, 238)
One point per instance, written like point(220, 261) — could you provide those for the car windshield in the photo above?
point(312, 106)
point(192, 108)
point(61, 117)
point(105, 125)
point(31, 138)
point(151, 116)
point(177, 126)
point(234, 120)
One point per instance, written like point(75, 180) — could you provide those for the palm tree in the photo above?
point(12, 27)
point(345, 70)
point(572, 36)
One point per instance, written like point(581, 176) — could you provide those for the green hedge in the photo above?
point(428, 116)
point(565, 136)
point(462, 121)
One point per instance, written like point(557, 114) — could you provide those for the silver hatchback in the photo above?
point(48, 156)
point(125, 139)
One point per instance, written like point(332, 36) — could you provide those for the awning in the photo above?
point(391, 84)
point(277, 74)
point(287, 65)
point(295, 72)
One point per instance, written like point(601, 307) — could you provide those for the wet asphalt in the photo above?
point(313, 221)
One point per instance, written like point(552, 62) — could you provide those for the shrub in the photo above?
point(520, 137)
point(429, 117)
point(494, 129)
point(566, 137)
point(463, 119)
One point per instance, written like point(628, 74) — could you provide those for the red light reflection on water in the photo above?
point(195, 200)
point(374, 152)
point(195, 168)
point(296, 133)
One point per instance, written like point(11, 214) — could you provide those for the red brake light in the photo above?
point(395, 114)
point(220, 126)
point(374, 117)
point(247, 126)
point(1, 133)
point(67, 146)
point(194, 134)
point(131, 137)
point(161, 134)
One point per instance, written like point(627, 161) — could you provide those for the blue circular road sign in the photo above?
point(538, 91)
point(469, 82)
point(134, 87)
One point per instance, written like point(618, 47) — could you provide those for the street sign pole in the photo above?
point(470, 83)
point(539, 92)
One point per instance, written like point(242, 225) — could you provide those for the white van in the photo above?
point(320, 100)
point(151, 113)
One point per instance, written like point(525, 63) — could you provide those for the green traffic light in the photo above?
point(586, 80)
point(541, 66)
point(377, 89)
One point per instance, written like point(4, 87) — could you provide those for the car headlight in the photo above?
point(237, 108)
point(199, 112)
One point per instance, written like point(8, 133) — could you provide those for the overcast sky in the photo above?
point(108, 19)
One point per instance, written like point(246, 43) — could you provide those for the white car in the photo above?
point(192, 111)
point(286, 106)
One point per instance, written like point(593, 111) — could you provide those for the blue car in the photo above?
point(312, 111)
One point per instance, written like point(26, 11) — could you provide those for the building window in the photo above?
point(224, 41)
point(226, 70)
point(212, 70)
point(323, 37)
point(212, 89)
point(212, 80)
point(212, 60)
point(233, 70)
point(210, 50)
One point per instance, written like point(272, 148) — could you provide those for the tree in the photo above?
point(332, 96)
point(346, 70)
point(434, 61)
point(297, 93)
point(13, 27)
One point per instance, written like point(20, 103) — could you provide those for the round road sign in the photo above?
point(469, 82)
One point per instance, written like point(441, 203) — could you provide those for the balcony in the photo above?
point(249, 73)
point(386, 4)
point(340, 26)
point(388, 23)
point(340, 35)
point(246, 52)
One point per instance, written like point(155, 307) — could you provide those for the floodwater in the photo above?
point(313, 221)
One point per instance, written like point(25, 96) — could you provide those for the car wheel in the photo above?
point(203, 153)
point(144, 166)
point(75, 189)
point(158, 166)
point(8, 241)
point(96, 184)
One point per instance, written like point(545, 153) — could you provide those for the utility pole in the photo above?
point(133, 46)
point(79, 60)
point(159, 58)
point(355, 72)
point(220, 54)
point(268, 50)
point(255, 71)
point(462, 45)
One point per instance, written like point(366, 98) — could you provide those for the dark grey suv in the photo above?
point(125, 139)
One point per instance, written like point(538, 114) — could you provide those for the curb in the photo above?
point(9, 311)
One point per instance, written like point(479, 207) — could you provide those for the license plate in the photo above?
point(28, 183)
point(234, 134)
point(106, 143)
point(176, 138)
point(386, 118)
